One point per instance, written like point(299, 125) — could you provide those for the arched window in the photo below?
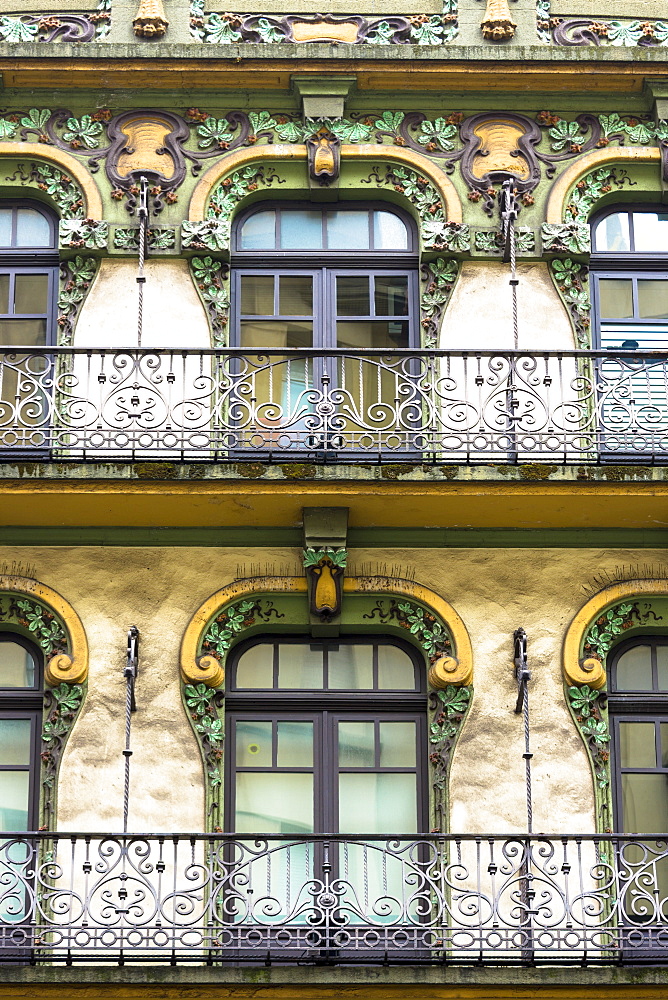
point(326, 737)
point(629, 267)
point(21, 673)
point(340, 277)
point(28, 274)
point(638, 702)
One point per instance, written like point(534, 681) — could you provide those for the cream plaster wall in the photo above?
point(173, 313)
point(542, 319)
point(158, 589)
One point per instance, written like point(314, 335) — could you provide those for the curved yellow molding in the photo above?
point(590, 670)
point(93, 199)
point(363, 151)
point(558, 197)
point(74, 668)
point(194, 671)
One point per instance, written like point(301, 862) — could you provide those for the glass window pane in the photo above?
point(650, 232)
point(637, 744)
point(32, 229)
point(23, 332)
point(5, 227)
point(257, 295)
point(612, 233)
point(352, 295)
point(359, 335)
point(4, 293)
point(348, 230)
point(274, 334)
point(662, 666)
point(645, 803)
point(31, 293)
point(259, 232)
point(295, 295)
point(396, 670)
point(634, 669)
point(397, 744)
point(253, 743)
point(664, 744)
point(17, 667)
point(357, 744)
point(301, 230)
point(269, 803)
point(389, 232)
point(391, 295)
point(14, 789)
point(295, 744)
point(377, 803)
point(616, 297)
point(350, 667)
point(255, 668)
point(15, 741)
point(299, 667)
point(652, 299)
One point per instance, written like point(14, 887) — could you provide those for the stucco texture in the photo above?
point(158, 589)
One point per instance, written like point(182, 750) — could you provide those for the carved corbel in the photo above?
point(497, 25)
point(324, 156)
point(150, 21)
point(324, 573)
point(588, 670)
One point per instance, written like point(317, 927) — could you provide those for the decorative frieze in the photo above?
point(157, 238)
point(57, 27)
point(492, 241)
point(84, 234)
point(212, 234)
point(566, 238)
point(232, 28)
point(60, 187)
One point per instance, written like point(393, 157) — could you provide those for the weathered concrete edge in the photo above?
point(184, 975)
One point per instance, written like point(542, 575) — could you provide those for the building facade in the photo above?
point(333, 449)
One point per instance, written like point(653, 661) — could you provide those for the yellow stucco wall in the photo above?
point(158, 589)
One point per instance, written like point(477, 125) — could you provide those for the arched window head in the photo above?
point(26, 225)
point(340, 229)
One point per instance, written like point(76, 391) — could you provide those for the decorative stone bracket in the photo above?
point(325, 557)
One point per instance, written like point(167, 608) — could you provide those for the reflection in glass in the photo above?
point(634, 669)
point(357, 335)
point(396, 670)
point(23, 333)
point(267, 803)
point(14, 788)
point(645, 803)
point(348, 230)
point(350, 667)
point(377, 803)
point(662, 666)
point(259, 232)
point(253, 743)
point(357, 744)
point(298, 667)
point(397, 744)
point(352, 295)
point(301, 230)
point(255, 667)
point(612, 233)
point(4, 293)
point(652, 299)
point(616, 297)
point(650, 232)
point(32, 229)
point(5, 227)
point(276, 334)
point(17, 667)
point(257, 295)
point(389, 232)
point(637, 744)
point(391, 295)
point(295, 295)
point(15, 741)
point(295, 744)
point(31, 292)
point(664, 744)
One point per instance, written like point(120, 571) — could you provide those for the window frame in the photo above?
point(33, 260)
point(27, 703)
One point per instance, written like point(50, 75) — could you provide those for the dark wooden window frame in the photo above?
point(26, 703)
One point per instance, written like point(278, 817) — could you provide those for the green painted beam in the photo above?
point(403, 538)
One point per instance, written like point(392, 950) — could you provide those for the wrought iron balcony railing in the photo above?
point(333, 899)
point(336, 405)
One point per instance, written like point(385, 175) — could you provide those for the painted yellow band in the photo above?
point(93, 206)
point(561, 189)
point(74, 668)
point(204, 672)
point(627, 590)
point(283, 151)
